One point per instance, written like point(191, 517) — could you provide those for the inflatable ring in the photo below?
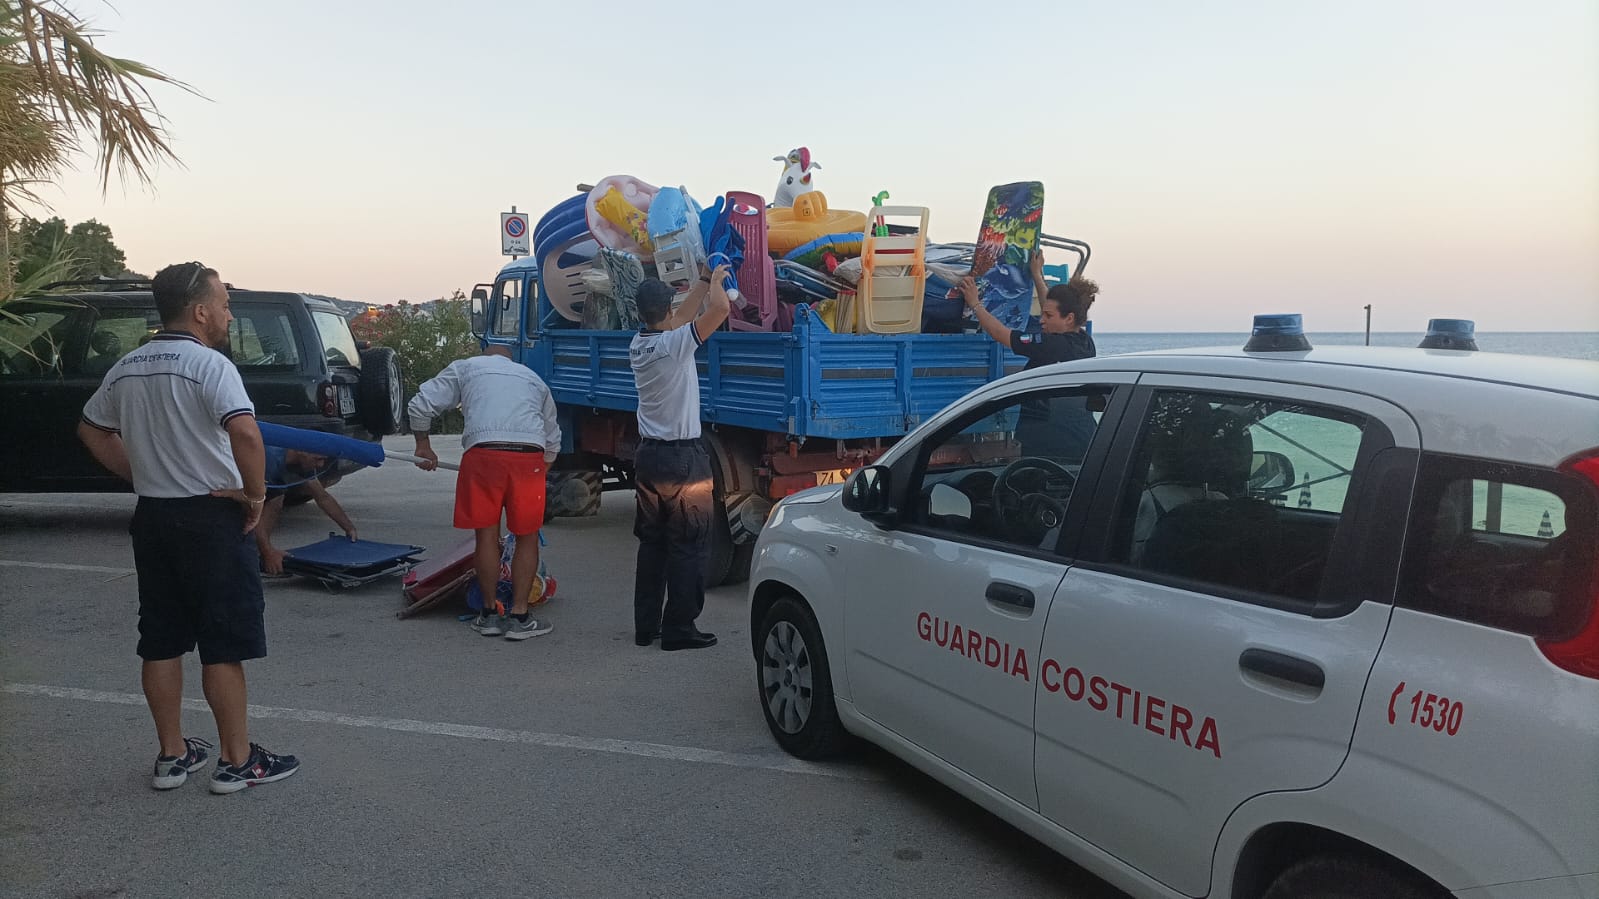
point(636, 196)
point(844, 246)
point(787, 229)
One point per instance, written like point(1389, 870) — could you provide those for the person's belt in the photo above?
point(510, 447)
point(656, 441)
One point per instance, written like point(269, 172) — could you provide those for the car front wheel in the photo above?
point(796, 685)
point(1344, 877)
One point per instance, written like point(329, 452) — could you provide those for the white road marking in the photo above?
point(62, 566)
point(774, 762)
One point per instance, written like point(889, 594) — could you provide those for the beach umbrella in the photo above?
point(362, 452)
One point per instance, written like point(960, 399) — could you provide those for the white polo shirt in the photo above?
point(171, 401)
point(668, 383)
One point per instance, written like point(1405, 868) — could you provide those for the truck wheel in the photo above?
point(719, 550)
point(1347, 877)
point(743, 557)
point(795, 683)
point(572, 493)
point(381, 393)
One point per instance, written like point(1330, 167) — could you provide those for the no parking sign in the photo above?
point(515, 238)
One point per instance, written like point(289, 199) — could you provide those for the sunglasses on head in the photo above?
point(198, 268)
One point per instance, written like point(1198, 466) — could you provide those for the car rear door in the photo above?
point(1215, 637)
point(44, 387)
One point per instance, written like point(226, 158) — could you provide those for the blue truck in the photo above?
point(782, 411)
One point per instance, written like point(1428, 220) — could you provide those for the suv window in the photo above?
point(34, 339)
point(1237, 492)
point(507, 309)
point(1005, 472)
point(1501, 545)
point(116, 333)
point(337, 341)
point(262, 336)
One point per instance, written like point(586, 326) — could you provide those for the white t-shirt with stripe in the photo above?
point(668, 383)
point(171, 401)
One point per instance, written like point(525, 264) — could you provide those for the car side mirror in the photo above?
point(1270, 472)
point(866, 491)
point(480, 311)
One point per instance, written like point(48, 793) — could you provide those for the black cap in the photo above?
point(654, 300)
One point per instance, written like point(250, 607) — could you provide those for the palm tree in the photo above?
point(56, 88)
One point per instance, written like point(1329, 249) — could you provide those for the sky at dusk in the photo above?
point(1432, 159)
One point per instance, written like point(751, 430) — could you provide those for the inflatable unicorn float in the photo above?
point(796, 177)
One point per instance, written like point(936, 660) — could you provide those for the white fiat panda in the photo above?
point(1279, 622)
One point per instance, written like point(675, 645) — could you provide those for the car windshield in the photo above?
point(337, 340)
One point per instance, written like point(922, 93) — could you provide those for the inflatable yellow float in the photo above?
point(809, 218)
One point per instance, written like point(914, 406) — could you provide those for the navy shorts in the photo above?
point(199, 580)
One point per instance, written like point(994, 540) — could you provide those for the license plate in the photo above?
point(346, 401)
point(835, 476)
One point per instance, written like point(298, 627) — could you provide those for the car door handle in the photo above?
point(1009, 595)
point(1283, 667)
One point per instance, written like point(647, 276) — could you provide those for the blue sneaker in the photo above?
point(261, 767)
point(171, 771)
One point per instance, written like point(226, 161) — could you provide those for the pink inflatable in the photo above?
point(602, 217)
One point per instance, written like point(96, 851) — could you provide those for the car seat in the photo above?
point(1222, 536)
point(107, 347)
point(1195, 453)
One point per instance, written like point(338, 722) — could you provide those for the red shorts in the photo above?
point(491, 480)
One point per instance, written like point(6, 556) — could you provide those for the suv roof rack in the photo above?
point(106, 283)
point(111, 285)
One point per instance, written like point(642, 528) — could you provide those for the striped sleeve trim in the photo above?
point(94, 424)
point(235, 414)
point(694, 331)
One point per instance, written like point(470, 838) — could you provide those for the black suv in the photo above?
point(300, 364)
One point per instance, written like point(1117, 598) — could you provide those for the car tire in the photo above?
point(381, 393)
point(795, 684)
point(1347, 877)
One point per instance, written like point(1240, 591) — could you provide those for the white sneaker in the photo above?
point(489, 625)
point(172, 771)
point(522, 630)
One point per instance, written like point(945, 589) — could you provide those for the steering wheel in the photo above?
point(1033, 513)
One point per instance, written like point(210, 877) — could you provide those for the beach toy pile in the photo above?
point(862, 271)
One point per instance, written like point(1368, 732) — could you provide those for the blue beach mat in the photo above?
point(342, 562)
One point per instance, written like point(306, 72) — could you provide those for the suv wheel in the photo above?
point(382, 393)
point(795, 683)
point(1346, 877)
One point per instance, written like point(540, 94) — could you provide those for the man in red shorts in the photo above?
point(511, 437)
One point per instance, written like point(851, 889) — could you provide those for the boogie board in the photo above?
point(1006, 242)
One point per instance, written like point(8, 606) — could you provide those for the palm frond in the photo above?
point(91, 91)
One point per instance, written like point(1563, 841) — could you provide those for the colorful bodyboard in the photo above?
point(1006, 242)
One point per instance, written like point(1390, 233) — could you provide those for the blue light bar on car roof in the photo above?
point(1450, 334)
point(1284, 332)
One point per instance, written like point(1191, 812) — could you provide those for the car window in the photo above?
point(508, 308)
point(1005, 472)
point(337, 341)
point(1500, 545)
point(262, 336)
point(1237, 492)
point(116, 333)
point(41, 339)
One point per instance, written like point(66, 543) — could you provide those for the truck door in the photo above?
point(505, 325)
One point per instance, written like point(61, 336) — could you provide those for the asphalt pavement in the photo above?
point(437, 762)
